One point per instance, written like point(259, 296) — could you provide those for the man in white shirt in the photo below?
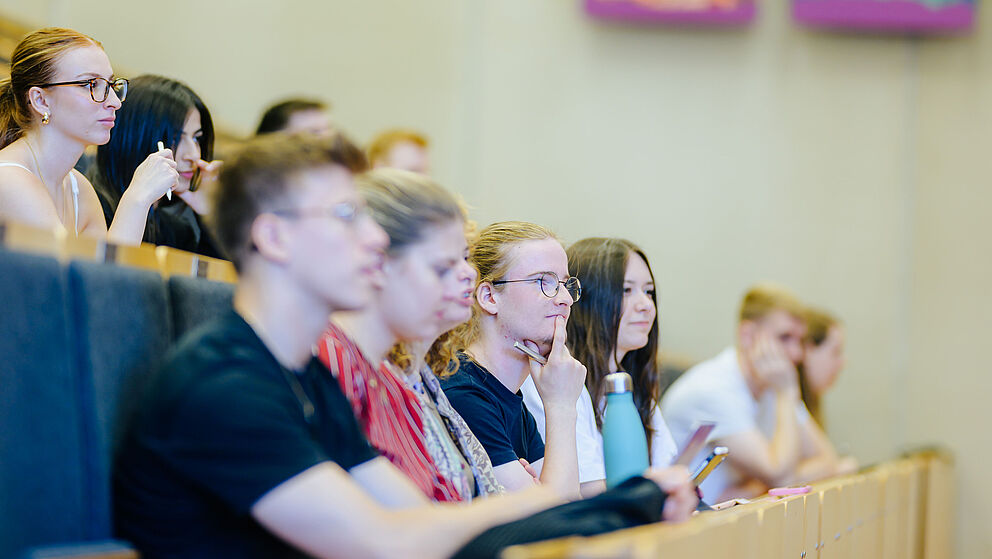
point(751, 393)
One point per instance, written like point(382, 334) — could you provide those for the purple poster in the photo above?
point(717, 12)
point(887, 15)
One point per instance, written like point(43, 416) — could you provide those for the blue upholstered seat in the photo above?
point(43, 494)
point(122, 320)
point(195, 301)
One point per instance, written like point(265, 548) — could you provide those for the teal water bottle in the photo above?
point(625, 448)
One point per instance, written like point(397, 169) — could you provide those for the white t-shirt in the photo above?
point(588, 438)
point(715, 391)
point(663, 448)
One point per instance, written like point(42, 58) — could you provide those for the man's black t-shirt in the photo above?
point(496, 416)
point(220, 427)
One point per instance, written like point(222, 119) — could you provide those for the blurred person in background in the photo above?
point(400, 148)
point(751, 392)
point(296, 115)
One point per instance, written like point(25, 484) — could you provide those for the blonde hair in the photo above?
point(763, 299)
point(383, 143)
point(32, 64)
point(490, 255)
point(406, 205)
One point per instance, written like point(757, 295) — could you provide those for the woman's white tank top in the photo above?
point(75, 190)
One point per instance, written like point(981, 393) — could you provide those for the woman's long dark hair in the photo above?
point(600, 264)
point(155, 111)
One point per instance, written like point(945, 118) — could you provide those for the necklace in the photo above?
point(301, 395)
point(41, 177)
point(306, 404)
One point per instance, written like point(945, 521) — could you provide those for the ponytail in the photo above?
point(10, 130)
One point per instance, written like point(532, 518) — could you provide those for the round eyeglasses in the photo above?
point(99, 87)
point(550, 284)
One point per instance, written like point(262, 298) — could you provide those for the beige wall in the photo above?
point(848, 167)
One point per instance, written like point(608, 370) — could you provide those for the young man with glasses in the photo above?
point(524, 297)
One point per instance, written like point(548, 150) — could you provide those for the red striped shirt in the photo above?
point(388, 412)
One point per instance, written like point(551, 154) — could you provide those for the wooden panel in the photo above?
point(747, 532)
point(866, 504)
point(771, 544)
point(794, 539)
point(142, 256)
point(938, 543)
point(895, 515)
point(812, 540)
point(17, 236)
point(218, 270)
point(916, 512)
point(831, 523)
point(868, 515)
point(718, 539)
point(174, 262)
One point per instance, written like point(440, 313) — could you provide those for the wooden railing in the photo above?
point(166, 260)
point(901, 509)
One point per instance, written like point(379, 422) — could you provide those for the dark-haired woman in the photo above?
point(615, 328)
point(61, 97)
point(159, 109)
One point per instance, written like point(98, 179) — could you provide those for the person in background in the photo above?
point(614, 327)
point(751, 392)
point(400, 148)
point(823, 360)
point(296, 115)
point(163, 110)
point(62, 96)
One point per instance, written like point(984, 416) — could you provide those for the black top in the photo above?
point(170, 223)
point(219, 428)
point(497, 417)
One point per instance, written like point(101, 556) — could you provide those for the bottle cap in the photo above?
point(618, 383)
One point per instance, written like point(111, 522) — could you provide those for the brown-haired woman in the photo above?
point(823, 358)
point(61, 97)
point(614, 327)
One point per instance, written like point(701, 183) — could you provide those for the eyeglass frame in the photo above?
point(91, 83)
point(354, 212)
point(558, 283)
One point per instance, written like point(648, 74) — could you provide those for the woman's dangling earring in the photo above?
point(44, 118)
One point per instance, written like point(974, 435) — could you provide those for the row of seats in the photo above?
point(897, 510)
point(78, 340)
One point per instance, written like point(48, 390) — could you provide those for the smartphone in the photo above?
point(712, 461)
point(531, 353)
point(695, 444)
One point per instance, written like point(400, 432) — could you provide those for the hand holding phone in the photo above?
point(694, 445)
point(712, 461)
